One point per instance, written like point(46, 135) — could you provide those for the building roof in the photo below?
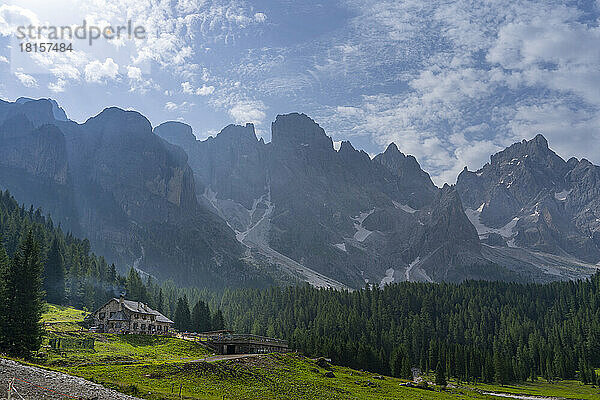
point(141, 308)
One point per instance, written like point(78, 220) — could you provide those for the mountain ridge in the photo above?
point(234, 210)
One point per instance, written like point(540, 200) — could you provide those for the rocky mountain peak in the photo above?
point(405, 166)
point(56, 112)
point(238, 132)
point(176, 133)
point(114, 121)
point(392, 148)
point(299, 130)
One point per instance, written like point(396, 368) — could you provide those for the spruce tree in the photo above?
point(24, 300)
point(201, 321)
point(4, 316)
point(182, 315)
point(54, 275)
point(218, 322)
point(440, 375)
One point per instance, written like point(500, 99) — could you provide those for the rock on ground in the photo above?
point(61, 384)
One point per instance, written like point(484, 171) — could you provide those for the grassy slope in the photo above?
point(54, 313)
point(275, 376)
point(110, 349)
point(156, 366)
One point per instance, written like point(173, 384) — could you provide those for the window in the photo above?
point(159, 328)
point(137, 316)
point(135, 325)
point(143, 327)
point(101, 315)
point(112, 314)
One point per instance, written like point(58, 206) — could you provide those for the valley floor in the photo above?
point(273, 376)
point(165, 368)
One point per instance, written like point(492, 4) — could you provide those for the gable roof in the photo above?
point(141, 308)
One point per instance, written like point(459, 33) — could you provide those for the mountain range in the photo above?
point(233, 210)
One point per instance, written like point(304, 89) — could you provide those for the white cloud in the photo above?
point(248, 111)
point(97, 71)
point(12, 16)
point(134, 73)
point(260, 17)
point(205, 90)
point(26, 80)
point(58, 86)
point(187, 88)
point(3, 59)
point(65, 71)
point(181, 107)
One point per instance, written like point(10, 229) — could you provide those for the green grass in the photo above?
point(566, 389)
point(274, 376)
point(54, 313)
point(126, 349)
point(155, 367)
point(111, 349)
point(62, 319)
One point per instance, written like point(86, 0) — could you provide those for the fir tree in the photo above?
point(24, 300)
point(440, 375)
point(218, 322)
point(54, 275)
point(4, 310)
point(182, 315)
point(201, 321)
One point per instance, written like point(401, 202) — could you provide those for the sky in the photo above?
point(450, 82)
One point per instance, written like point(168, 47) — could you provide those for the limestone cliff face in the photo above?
point(338, 212)
point(34, 160)
point(129, 191)
point(537, 200)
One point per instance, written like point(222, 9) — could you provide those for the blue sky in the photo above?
point(448, 81)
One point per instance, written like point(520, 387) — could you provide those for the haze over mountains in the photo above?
point(234, 210)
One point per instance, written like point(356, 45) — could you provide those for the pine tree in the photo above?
point(4, 311)
point(24, 300)
point(54, 275)
point(218, 322)
point(201, 321)
point(406, 368)
point(440, 375)
point(182, 315)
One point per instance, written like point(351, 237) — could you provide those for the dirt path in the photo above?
point(522, 396)
point(30, 380)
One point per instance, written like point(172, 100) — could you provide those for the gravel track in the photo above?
point(64, 386)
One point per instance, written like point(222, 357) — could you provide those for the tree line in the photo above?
point(473, 331)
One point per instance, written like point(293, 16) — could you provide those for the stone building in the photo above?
point(127, 316)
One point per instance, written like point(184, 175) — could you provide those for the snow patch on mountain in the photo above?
point(562, 196)
point(361, 233)
point(388, 278)
point(404, 207)
point(410, 268)
point(507, 231)
point(341, 246)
